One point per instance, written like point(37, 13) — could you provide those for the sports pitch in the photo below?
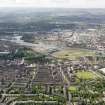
point(85, 75)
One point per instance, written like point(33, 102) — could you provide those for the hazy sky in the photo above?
point(55, 3)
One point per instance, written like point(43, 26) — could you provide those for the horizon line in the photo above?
point(52, 7)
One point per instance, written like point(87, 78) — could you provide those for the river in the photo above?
point(40, 46)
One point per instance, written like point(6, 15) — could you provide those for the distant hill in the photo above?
point(28, 15)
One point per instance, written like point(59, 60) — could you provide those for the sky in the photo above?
point(54, 3)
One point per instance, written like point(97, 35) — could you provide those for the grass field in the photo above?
point(72, 89)
point(86, 75)
point(73, 53)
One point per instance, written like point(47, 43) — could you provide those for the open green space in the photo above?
point(73, 53)
point(72, 89)
point(86, 75)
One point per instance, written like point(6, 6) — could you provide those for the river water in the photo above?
point(40, 46)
